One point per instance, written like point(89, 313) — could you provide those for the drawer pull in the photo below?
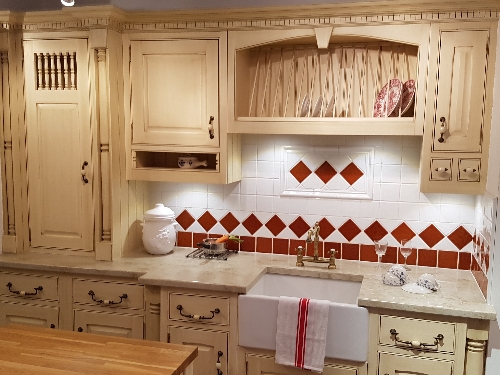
point(199, 317)
point(218, 365)
point(417, 344)
point(105, 301)
point(23, 293)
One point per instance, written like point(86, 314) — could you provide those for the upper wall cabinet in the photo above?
point(457, 129)
point(342, 80)
point(178, 110)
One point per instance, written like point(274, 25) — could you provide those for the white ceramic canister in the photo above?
point(158, 230)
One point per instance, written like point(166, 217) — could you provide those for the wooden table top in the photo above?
point(26, 350)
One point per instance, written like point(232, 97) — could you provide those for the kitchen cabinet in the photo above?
point(178, 108)
point(205, 319)
point(457, 129)
point(259, 364)
point(406, 343)
point(326, 80)
point(109, 307)
point(212, 348)
point(58, 126)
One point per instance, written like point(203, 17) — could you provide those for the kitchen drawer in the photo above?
point(417, 331)
point(199, 307)
point(28, 314)
point(109, 324)
point(107, 293)
point(24, 283)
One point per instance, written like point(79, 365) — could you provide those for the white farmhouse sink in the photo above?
point(347, 336)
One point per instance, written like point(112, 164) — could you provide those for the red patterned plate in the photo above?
point(388, 98)
point(407, 97)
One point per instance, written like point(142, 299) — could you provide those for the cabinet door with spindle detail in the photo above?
point(58, 124)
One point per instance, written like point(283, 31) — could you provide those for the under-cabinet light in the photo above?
point(68, 3)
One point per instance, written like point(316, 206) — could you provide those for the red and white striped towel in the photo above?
point(301, 333)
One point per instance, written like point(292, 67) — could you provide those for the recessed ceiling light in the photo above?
point(68, 3)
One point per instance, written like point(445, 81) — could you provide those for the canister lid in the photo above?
point(159, 212)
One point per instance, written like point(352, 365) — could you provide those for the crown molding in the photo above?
point(108, 16)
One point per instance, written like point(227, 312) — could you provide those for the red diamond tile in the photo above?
point(229, 222)
point(403, 232)
point(300, 171)
point(325, 228)
point(325, 172)
point(252, 224)
point(431, 235)
point(275, 225)
point(185, 219)
point(207, 221)
point(351, 173)
point(299, 227)
point(349, 230)
point(375, 231)
point(460, 237)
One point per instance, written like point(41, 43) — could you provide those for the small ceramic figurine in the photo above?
point(188, 162)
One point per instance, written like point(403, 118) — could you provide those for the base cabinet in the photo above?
point(212, 348)
point(394, 364)
point(26, 314)
point(109, 324)
point(262, 365)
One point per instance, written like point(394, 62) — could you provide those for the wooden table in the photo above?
point(26, 350)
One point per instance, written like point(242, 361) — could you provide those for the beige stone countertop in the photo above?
point(459, 294)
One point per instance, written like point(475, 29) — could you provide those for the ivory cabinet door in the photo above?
point(265, 365)
point(460, 81)
point(32, 315)
point(175, 92)
point(210, 344)
point(58, 126)
point(394, 364)
point(109, 324)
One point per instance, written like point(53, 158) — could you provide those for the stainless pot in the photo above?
point(212, 247)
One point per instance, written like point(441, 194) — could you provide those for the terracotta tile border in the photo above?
point(423, 257)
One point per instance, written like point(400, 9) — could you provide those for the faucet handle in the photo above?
point(300, 254)
point(331, 264)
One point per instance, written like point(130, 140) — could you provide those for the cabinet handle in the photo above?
point(441, 169)
point(417, 344)
point(470, 170)
point(199, 317)
point(84, 174)
point(211, 127)
point(218, 365)
point(80, 329)
point(105, 301)
point(23, 293)
point(52, 325)
point(442, 129)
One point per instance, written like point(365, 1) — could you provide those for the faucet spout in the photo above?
point(314, 233)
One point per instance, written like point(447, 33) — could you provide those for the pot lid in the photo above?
point(159, 212)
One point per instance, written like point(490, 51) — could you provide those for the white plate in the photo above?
point(317, 107)
point(304, 108)
point(414, 288)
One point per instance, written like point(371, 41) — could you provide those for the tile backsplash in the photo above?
point(442, 226)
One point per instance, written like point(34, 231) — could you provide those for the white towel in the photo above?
point(301, 333)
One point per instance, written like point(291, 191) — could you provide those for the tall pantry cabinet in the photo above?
point(63, 188)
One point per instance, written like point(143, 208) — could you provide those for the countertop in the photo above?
point(459, 294)
point(44, 351)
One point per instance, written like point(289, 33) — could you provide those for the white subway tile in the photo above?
point(249, 153)
point(450, 213)
point(215, 200)
point(202, 188)
point(429, 212)
point(298, 206)
point(409, 211)
point(430, 198)
point(249, 169)
point(389, 210)
point(411, 156)
point(248, 186)
point(392, 155)
point(458, 199)
point(389, 192)
point(232, 202)
point(248, 203)
point(369, 209)
point(168, 198)
point(185, 199)
point(410, 174)
point(350, 208)
point(265, 169)
point(264, 203)
point(233, 188)
point(391, 173)
point(265, 150)
point(199, 200)
point(409, 193)
point(265, 186)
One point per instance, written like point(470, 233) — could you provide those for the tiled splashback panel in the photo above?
point(482, 241)
point(442, 225)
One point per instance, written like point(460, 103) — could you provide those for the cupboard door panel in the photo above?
point(116, 325)
point(461, 90)
point(33, 315)
point(59, 143)
point(209, 344)
point(175, 92)
point(393, 364)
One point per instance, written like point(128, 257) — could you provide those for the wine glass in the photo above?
point(380, 249)
point(405, 250)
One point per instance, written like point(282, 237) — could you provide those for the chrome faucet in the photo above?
point(313, 236)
